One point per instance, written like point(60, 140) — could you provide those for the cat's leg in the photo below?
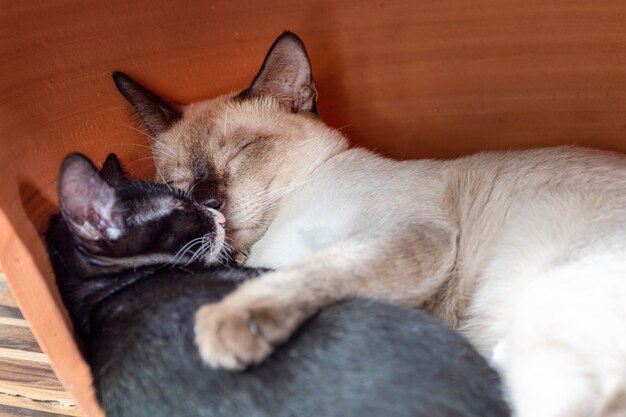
point(565, 355)
point(406, 263)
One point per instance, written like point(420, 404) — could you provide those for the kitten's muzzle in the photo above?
point(219, 217)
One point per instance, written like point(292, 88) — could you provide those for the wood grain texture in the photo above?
point(6, 299)
point(33, 374)
point(8, 411)
point(28, 386)
point(19, 396)
point(18, 337)
point(410, 78)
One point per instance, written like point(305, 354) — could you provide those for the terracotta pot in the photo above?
point(410, 78)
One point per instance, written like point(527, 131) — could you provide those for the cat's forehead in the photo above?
point(210, 130)
point(226, 118)
point(151, 209)
point(145, 201)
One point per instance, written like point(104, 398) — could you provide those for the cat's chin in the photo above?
point(241, 238)
point(217, 253)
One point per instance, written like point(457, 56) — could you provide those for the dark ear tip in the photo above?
point(118, 75)
point(121, 80)
point(288, 35)
point(112, 158)
point(112, 170)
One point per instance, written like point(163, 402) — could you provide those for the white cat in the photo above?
point(524, 251)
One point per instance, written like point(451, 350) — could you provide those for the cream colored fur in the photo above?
point(522, 251)
point(524, 248)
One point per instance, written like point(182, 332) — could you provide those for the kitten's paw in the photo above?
point(234, 335)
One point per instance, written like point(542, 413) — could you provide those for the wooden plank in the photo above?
point(23, 356)
point(6, 299)
point(37, 399)
point(28, 385)
point(39, 375)
point(37, 394)
point(9, 311)
point(10, 321)
point(8, 306)
point(7, 411)
point(10, 314)
point(16, 337)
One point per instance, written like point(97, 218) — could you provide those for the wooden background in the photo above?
point(409, 78)
point(28, 386)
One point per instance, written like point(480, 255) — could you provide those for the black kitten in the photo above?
point(129, 261)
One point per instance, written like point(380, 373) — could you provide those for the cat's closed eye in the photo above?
point(213, 203)
point(181, 183)
point(239, 152)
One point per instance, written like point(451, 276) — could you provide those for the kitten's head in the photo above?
point(241, 153)
point(118, 223)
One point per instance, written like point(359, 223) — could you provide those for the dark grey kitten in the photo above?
point(118, 249)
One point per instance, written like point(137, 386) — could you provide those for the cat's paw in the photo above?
point(235, 334)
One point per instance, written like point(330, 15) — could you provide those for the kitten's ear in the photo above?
point(286, 74)
point(112, 170)
point(88, 202)
point(157, 113)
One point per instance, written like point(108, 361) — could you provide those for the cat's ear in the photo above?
point(286, 74)
point(157, 113)
point(88, 202)
point(112, 170)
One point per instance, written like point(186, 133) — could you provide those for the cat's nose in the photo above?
point(219, 217)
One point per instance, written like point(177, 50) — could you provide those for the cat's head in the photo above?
point(241, 153)
point(117, 223)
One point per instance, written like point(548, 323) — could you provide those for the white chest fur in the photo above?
point(355, 191)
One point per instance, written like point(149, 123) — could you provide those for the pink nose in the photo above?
point(219, 217)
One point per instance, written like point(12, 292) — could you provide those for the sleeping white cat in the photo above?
point(524, 252)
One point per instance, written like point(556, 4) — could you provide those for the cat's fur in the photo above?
point(133, 299)
point(522, 250)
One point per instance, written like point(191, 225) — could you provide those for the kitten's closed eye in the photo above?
point(213, 203)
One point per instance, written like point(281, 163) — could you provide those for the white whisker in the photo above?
point(186, 247)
